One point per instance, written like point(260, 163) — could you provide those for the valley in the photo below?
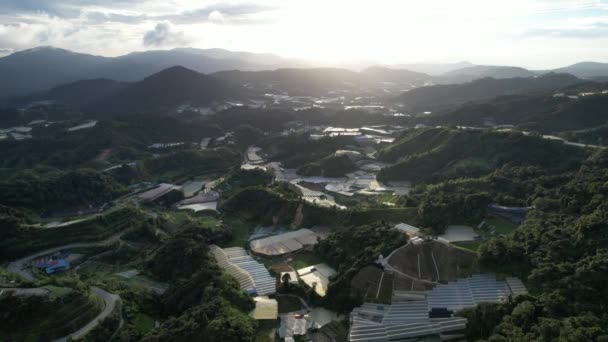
point(293, 203)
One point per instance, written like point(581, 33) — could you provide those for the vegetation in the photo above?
point(331, 166)
point(444, 96)
point(204, 304)
point(275, 204)
point(348, 250)
point(501, 225)
point(58, 190)
point(561, 250)
point(304, 259)
point(127, 139)
point(189, 163)
point(281, 148)
point(240, 179)
point(184, 254)
point(46, 317)
point(595, 136)
point(29, 239)
point(539, 113)
point(106, 329)
point(454, 153)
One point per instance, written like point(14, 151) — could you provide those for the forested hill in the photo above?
point(539, 113)
point(562, 250)
point(442, 96)
point(164, 91)
point(161, 92)
point(444, 153)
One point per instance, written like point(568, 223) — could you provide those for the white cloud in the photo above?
point(164, 34)
point(515, 32)
point(216, 17)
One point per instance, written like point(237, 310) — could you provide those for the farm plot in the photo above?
point(433, 261)
point(403, 283)
point(373, 284)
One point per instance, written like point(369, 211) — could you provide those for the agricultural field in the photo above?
point(403, 283)
point(434, 261)
point(373, 285)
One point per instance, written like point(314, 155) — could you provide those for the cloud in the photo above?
point(43, 30)
point(60, 8)
point(224, 13)
point(593, 30)
point(96, 17)
point(216, 17)
point(164, 34)
point(5, 51)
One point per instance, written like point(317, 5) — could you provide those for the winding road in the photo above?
point(23, 268)
point(110, 301)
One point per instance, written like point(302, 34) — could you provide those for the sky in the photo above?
point(539, 34)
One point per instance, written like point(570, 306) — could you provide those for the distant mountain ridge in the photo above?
point(483, 71)
point(42, 68)
point(586, 69)
point(317, 81)
point(159, 93)
point(165, 90)
point(434, 69)
point(384, 74)
point(78, 94)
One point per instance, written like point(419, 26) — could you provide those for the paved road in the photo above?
point(110, 301)
point(23, 268)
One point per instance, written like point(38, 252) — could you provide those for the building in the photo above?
point(252, 276)
point(163, 194)
point(265, 309)
point(410, 230)
point(51, 265)
point(191, 187)
point(317, 277)
point(57, 266)
point(202, 197)
point(416, 314)
point(284, 243)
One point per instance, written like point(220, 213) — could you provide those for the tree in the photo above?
point(285, 279)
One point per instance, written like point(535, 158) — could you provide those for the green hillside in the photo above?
point(46, 317)
point(445, 153)
point(545, 114)
point(330, 166)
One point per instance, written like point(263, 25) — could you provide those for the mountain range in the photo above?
point(168, 89)
point(160, 92)
point(42, 68)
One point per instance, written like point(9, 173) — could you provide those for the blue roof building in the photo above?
point(58, 265)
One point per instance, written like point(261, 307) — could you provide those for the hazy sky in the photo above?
point(536, 34)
